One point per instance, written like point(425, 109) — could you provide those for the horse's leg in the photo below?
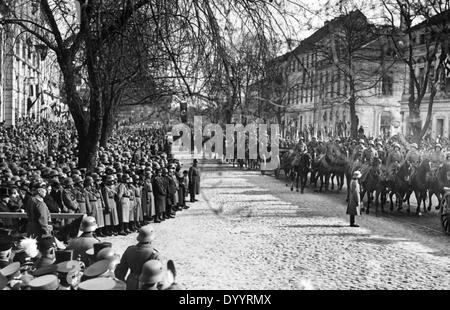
point(332, 180)
point(418, 199)
point(348, 188)
point(369, 197)
point(303, 180)
point(392, 203)
point(430, 203)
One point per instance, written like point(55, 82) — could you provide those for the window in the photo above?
point(338, 78)
point(18, 48)
point(332, 84)
point(31, 91)
point(387, 85)
point(421, 75)
point(326, 83)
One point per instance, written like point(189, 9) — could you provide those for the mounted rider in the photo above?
point(413, 156)
point(313, 144)
point(394, 159)
point(437, 158)
point(358, 150)
point(301, 146)
point(369, 154)
point(382, 154)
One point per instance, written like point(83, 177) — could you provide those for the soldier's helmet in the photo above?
point(152, 272)
point(379, 143)
point(438, 145)
point(109, 178)
point(88, 224)
point(77, 179)
point(396, 145)
point(68, 181)
point(371, 143)
point(89, 180)
point(146, 234)
point(361, 141)
point(414, 145)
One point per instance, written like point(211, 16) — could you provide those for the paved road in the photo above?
point(249, 231)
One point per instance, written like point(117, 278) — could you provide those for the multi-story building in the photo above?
point(424, 37)
point(321, 73)
point(30, 81)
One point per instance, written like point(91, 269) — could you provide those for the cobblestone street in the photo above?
point(250, 231)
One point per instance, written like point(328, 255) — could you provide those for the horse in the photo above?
point(419, 185)
point(400, 185)
point(324, 169)
point(371, 183)
point(437, 183)
point(300, 171)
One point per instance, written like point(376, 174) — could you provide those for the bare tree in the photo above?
point(423, 48)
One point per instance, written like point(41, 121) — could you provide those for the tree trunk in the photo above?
point(108, 126)
point(353, 118)
point(87, 153)
point(415, 123)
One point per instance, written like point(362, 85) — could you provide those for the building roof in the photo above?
point(324, 31)
point(441, 18)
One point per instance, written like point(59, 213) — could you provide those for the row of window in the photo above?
point(300, 63)
point(27, 52)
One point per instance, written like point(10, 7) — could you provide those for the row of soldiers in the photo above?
point(120, 200)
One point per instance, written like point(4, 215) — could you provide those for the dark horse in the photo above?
point(419, 185)
point(400, 186)
point(372, 183)
point(437, 183)
point(300, 170)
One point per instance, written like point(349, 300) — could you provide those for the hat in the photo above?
point(362, 141)
point(95, 270)
point(146, 234)
point(46, 242)
point(67, 266)
point(152, 272)
point(357, 174)
point(11, 270)
point(396, 145)
point(77, 179)
point(63, 256)
point(108, 254)
point(438, 145)
point(102, 284)
point(68, 181)
point(88, 224)
point(371, 142)
point(51, 269)
point(414, 145)
point(97, 247)
point(195, 161)
point(379, 143)
point(46, 282)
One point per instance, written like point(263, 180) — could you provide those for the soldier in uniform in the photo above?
point(69, 198)
point(94, 205)
point(148, 201)
point(111, 215)
point(170, 189)
point(38, 213)
point(136, 256)
point(300, 145)
point(381, 152)
point(123, 202)
point(394, 159)
point(85, 241)
point(80, 195)
point(370, 153)
point(139, 215)
point(358, 150)
point(312, 145)
point(437, 158)
point(194, 181)
point(133, 210)
point(413, 156)
point(160, 193)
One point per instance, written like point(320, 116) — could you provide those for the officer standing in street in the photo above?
point(194, 181)
point(38, 214)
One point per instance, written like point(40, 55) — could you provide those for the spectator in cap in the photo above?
point(139, 214)
point(133, 224)
point(68, 196)
point(135, 257)
point(38, 213)
point(85, 241)
point(110, 212)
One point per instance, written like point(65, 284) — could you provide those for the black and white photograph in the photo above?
point(237, 146)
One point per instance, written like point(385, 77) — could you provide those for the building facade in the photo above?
point(424, 36)
point(319, 77)
point(30, 79)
